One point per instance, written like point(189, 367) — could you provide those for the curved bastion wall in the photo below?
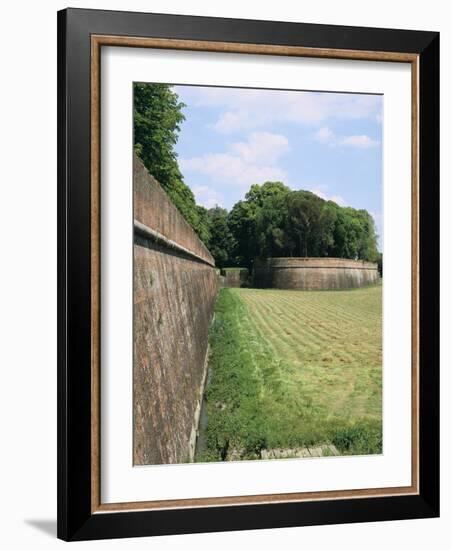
point(314, 273)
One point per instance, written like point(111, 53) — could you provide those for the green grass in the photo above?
point(293, 369)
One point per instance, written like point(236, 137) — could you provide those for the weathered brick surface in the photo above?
point(314, 273)
point(174, 297)
point(153, 208)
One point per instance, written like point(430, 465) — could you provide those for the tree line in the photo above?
point(272, 220)
point(275, 221)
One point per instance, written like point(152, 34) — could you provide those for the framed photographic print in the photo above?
point(248, 274)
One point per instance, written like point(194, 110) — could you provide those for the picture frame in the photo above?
point(81, 36)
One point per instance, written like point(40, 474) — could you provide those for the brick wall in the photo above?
point(235, 277)
point(314, 273)
point(175, 286)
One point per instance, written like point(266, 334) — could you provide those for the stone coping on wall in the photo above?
point(323, 263)
point(153, 235)
point(314, 273)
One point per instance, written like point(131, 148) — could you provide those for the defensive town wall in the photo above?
point(235, 277)
point(313, 273)
point(175, 285)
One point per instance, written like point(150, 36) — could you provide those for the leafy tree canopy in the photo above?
point(274, 221)
point(157, 118)
point(221, 242)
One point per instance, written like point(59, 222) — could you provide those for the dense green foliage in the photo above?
point(220, 241)
point(272, 220)
point(276, 221)
point(256, 223)
point(157, 118)
point(260, 397)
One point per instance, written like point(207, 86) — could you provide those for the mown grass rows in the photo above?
point(292, 369)
point(334, 338)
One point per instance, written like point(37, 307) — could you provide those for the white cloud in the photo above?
point(362, 141)
point(253, 161)
point(205, 196)
point(232, 169)
point(335, 198)
point(247, 109)
point(326, 136)
point(262, 147)
point(229, 121)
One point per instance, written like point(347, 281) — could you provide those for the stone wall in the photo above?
point(235, 277)
point(313, 273)
point(175, 286)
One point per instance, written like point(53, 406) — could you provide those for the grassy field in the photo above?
point(290, 369)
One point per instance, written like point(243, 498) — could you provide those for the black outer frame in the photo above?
point(75, 520)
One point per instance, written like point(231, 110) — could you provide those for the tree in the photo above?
point(242, 224)
point(257, 222)
point(309, 224)
point(157, 118)
point(260, 195)
point(270, 216)
point(274, 221)
point(156, 121)
point(203, 224)
point(367, 245)
point(221, 240)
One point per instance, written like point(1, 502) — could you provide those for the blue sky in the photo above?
point(328, 143)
